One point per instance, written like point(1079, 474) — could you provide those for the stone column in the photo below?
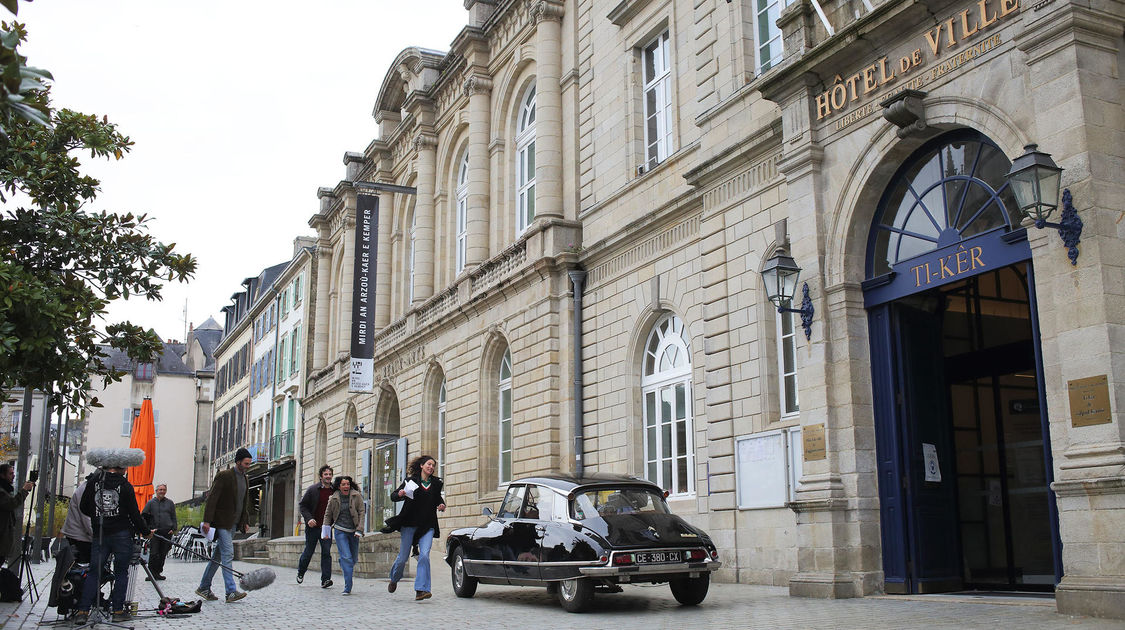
point(425, 146)
point(479, 90)
point(547, 15)
point(1074, 88)
point(383, 263)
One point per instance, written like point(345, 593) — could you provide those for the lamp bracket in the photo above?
point(1069, 227)
point(806, 311)
point(359, 433)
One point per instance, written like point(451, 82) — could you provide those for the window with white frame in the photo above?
point(525, 162)
point(17, 419)
point(297, 289)
point(441, 427)
point(667, 407)
point(462, 212)
point(410, 262)
point(787, 364)
point(505, 391)
point(295, 342)
point(657, 100)
point(769, 46)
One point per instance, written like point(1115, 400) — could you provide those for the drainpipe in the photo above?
point(577, 279)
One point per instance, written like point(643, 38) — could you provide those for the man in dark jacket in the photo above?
point(312, 506)
point(160, 514)
point(110, 503)
point(11, 504)
point(227, 508)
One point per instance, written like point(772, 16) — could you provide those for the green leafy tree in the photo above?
point(20, 85)
point(60, 265)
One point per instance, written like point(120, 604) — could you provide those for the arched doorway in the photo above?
point(962, 442)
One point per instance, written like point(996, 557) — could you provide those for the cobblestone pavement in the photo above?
point(285, 604)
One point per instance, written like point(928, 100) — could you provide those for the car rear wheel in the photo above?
point(576, 594)
point(464, 585)
point(690, 591)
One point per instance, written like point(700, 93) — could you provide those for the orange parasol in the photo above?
point(144, 438)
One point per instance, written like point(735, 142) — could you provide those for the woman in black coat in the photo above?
point(417, 522)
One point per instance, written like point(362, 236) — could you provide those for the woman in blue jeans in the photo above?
point(344, 517)
point(421, 494)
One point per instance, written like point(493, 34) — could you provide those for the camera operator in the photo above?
point(11, 504)
point(110, 503)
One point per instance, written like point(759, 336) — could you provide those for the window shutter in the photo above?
point(156, 422)
point(126, 422)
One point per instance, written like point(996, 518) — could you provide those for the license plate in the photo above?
point(656, 557)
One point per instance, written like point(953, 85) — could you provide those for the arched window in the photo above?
point(505, 419)
point(462, 211)
point(666, 391)
point(525, 162)
point(321, 444)
point(410, 261)
point(441, 428)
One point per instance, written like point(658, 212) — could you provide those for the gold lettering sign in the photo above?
point(813, 438)
point(964, 260)
point(1089, 401)
point(953, 33)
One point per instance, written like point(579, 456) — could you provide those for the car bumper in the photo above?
point(652, 569)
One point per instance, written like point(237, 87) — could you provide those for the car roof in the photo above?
point(566, 482)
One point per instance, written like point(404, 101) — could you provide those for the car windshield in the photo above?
point(601, 502)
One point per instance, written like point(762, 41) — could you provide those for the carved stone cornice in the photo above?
point(547, 10)
point(477, 84)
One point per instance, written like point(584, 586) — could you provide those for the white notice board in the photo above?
point(761, 470)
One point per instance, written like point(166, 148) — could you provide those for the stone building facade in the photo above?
point(576, 282)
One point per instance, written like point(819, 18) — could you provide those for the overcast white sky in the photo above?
point(239, 110)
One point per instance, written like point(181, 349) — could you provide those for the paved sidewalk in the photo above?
point(285, 604)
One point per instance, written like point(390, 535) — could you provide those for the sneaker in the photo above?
point(346, 592)
point(160, 577)
point(300, 578)
point(235, 596)
point(420, 595)
point(326, 584)
point(206, 594)
point(121, 615)
point(391, 586)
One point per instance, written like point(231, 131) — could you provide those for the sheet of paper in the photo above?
point(325, 531)
point(929, 456)
point(210, 535)
point(410, 488)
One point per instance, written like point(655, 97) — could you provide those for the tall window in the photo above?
point(506, 417)
point(666, 391)
point(295, 342)
point(410, 262)
point(441, 428)
point(657, 100)
point(769, 47)
point(462, 211)
point(297, 290)
point(525, 162)
point(144, 372)
point(787, 364)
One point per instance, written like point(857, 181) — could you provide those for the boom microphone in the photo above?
point(115, 457)
point(257, 579)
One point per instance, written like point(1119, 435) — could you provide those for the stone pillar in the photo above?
point(425, 146)
point(479, 90)
point(1073, 55)
point(547, 15)
point(383, 263)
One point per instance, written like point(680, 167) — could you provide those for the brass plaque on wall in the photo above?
point(1089, 401)
point(813, 438)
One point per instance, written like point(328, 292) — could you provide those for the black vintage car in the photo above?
point(576, 535)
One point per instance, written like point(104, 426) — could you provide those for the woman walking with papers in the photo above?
point(343, 519)
point(418, 522)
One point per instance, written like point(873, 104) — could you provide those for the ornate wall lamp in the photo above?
point(1035, 181)
point(780, 275)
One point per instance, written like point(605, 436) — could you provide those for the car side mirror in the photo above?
point(486, 511)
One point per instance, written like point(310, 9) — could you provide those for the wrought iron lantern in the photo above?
point(780, 275)
point(1035, 180)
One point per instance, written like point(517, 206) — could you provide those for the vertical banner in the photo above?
point(362, 371)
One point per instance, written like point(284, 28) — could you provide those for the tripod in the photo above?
point(23, 566)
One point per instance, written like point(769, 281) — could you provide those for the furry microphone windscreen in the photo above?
point(257, 579)
point(115, 457)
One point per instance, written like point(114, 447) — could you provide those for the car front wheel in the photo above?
point(690, 591)
point(576, 594)
point(464, 585)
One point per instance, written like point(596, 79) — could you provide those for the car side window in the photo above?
point(512, 502)
point(541, 504)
